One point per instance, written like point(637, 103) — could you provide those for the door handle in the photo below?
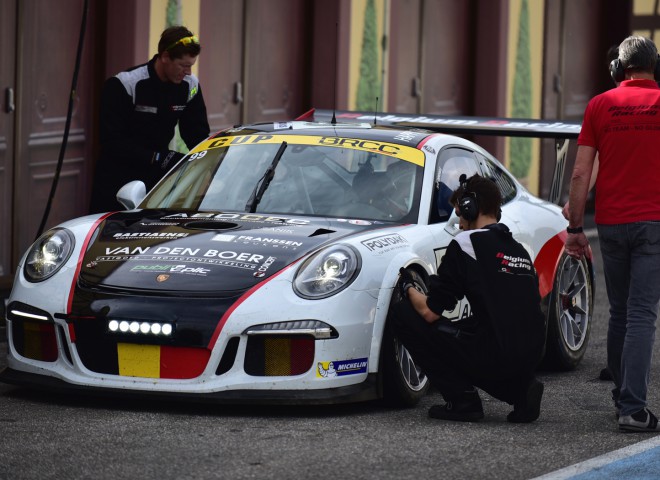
point(10, 106)
point(238, 92)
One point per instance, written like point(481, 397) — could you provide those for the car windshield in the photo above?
point(339, 178)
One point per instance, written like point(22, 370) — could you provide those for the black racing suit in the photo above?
point(499, 346)
point(137, 119)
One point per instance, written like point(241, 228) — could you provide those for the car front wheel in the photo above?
point(404, 382)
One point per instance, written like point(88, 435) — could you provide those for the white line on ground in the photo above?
point(598, 462)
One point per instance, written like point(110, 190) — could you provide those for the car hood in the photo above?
point(203, 252)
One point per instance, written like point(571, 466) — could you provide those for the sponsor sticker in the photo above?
point(238, 217)
point(385, 243)
point(225, 258)
point(257, 240)
point(403, 152)
point(182, 269)
point(149, 235)
point(340, 368)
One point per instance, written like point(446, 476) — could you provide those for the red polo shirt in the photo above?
point(623, 124)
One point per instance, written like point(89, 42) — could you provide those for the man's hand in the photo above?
point(576, 245)
point(405, 282)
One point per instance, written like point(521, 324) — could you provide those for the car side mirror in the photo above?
point(132, 194)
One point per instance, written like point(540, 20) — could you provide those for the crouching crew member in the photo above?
point(498, 347)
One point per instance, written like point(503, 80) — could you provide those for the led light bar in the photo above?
point(140, 328)
point(316, 328)
point(19, 313)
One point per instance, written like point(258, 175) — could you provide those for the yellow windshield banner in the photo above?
point(403, 152)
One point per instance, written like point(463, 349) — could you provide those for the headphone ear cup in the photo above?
point(656, 72)
point(618, 73)
point(468, 208)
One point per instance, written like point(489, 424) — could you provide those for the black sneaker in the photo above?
point(528, 408)
point(641, 421)
point(466, 409)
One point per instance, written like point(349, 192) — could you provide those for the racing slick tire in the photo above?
point(569, 314)
point(403, 382)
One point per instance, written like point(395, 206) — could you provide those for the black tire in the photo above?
point(404, 384)
point(569, 314)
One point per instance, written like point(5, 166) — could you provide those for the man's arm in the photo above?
point(194, 123)
point(592, 182)
point(418, 301)
point(576, 243)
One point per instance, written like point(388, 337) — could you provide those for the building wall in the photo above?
point(287, 56)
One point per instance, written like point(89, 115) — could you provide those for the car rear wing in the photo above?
point(561, 131)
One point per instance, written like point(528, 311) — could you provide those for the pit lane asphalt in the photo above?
point(53, 436)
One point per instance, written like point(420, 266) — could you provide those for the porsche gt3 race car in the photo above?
point(262, 267)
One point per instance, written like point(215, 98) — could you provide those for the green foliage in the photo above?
point(173, 13)
point(368, 84)
point(521, 148)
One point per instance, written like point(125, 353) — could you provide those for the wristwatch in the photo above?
point(574, 229)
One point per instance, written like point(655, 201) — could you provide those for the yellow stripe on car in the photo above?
point(403, 152)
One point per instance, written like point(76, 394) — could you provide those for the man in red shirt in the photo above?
point(622, 126)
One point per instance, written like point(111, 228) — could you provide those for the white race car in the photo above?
point(262, 267)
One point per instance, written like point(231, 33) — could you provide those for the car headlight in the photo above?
point(47, 255)
point(327, 272)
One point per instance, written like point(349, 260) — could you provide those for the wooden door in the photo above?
point(276, 59)
point(221, 61)
point(46, 53)
point(572, 76)
point(446, 57)
point(430, 62)
point(7, 118)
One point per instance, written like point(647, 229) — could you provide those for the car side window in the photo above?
point(452, 162)
point(493, 170)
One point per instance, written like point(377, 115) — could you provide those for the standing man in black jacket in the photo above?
point(498, 347)
point(139, 111)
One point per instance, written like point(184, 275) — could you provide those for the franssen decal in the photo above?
point(239, 217)
point(129, 236)
point(404, 152)
point(339, 368)
point(385, 243)
point(171, 269)
point(247, 239)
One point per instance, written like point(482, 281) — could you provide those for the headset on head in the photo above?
point(618, 73)
point(468, 207)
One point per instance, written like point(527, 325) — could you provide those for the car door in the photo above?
point(453, 161)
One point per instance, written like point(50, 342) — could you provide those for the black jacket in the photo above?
point(496, 275)
point(137, 118)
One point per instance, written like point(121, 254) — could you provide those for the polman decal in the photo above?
point(340, 368)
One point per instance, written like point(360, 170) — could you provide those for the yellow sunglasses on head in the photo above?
point(184, 41)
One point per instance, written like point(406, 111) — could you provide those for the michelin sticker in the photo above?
point(340, 368)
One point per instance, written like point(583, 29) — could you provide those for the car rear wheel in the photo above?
point(569, 314)
point(404, 382)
